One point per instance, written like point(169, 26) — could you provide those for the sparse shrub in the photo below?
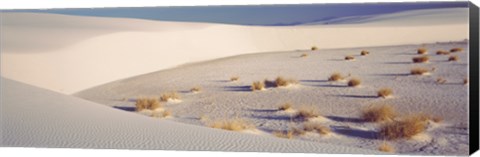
point(422, 51)
point(441, 80)
point(258, 85)
point(442, 52)
point(234, 78)
point(457, 49)
point(307, 112)
point(378, 113)
point(284, 134)
point(304, 55)
point(170, 96)
point(285, 106)
point(385, 147)
point(147, 103)
point(453, 58)
point(323, 130)
point(421, 59)
point(196, 89)
point(335, 77)
point(349, 58)
point(405, 128)
point(354, 82)
point(384, 92)
point(166, 113)
point(314, 48)
point(282, 82)
point(231, 124)
point(364, 53)
point(419, 71)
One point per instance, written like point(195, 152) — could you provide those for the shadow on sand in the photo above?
point(345, 119)
point(125, 108)
point(238, 88)
point(357, 96)
point(347, 131)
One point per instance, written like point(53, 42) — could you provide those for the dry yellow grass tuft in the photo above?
point(385, 147)
point(282, 82)
point(349, 58)
point(258, 85)
point(314, 48)
point(231, 124)
point(364, 53)
point(457, 49)
point(284, 134)
point(306, 112)
point(442, 52)
point(323, 130)
point(378, 113)
point(234, 78)
point(441, 80)
point(384, 92)
point(419, 71)
point(453, 58)
point(335, 77)
point(147, 103)
point(170, 96)
point(196, 89)
point(405, 128)
point(354, 82)
point(285, 106)
point(422, 51)
point(304, 55)
point(421, 59)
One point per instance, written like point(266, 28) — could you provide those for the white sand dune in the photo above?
point(68, 54)
point(34, 117)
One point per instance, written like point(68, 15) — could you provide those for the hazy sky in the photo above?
point(255, 15)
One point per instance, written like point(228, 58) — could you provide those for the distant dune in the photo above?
point(68, 54)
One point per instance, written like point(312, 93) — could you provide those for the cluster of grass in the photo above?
point(457, 49)
point(422, 51)
point(196, 89)
point(441, 80)
point(147, 104)
point(236, 124)
point(349, 58)
point(378, 113)
point(421, 59)
point(234, 78)
point(314, 48)
point(419, 71)
point(385, 147)
point(284, 107)
point(364, 52)
point(453, 58)
point(257, 85)
point(404, 128)
point(282, 82)
point(288, 134)
point(163, 114)
point(384, 92)
point(336, 77)
point(316, 127)
point(442, 52)
point(305, 113)
point(170, 96)
point(304, 55)
point(354, 82)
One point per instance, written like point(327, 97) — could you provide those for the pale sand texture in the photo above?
point(68, 54)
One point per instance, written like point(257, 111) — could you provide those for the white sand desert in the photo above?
point(71, 81)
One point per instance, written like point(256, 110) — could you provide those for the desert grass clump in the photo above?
point(421, 59)
point(170, 96)
point(335, 77)
point(419, 71)
point(453, 58)
point(257, 85)
point(422, 51)
point(384, 92)
point(307, 112)
point(314, 48)
point(348, 58)
point(378, 113)
point(316, 127)
point(457, 49)
point(385, 147)
point(354, 82)
point(442, 52)
point(282, 82)
point(441, 80)
point(234, 78)
point(304, 55)
point(364, 53)
point(196, 89)
point(284, 134)
point(404, 128)
point(284, 107)
point(147, 104)
point(231, 124)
